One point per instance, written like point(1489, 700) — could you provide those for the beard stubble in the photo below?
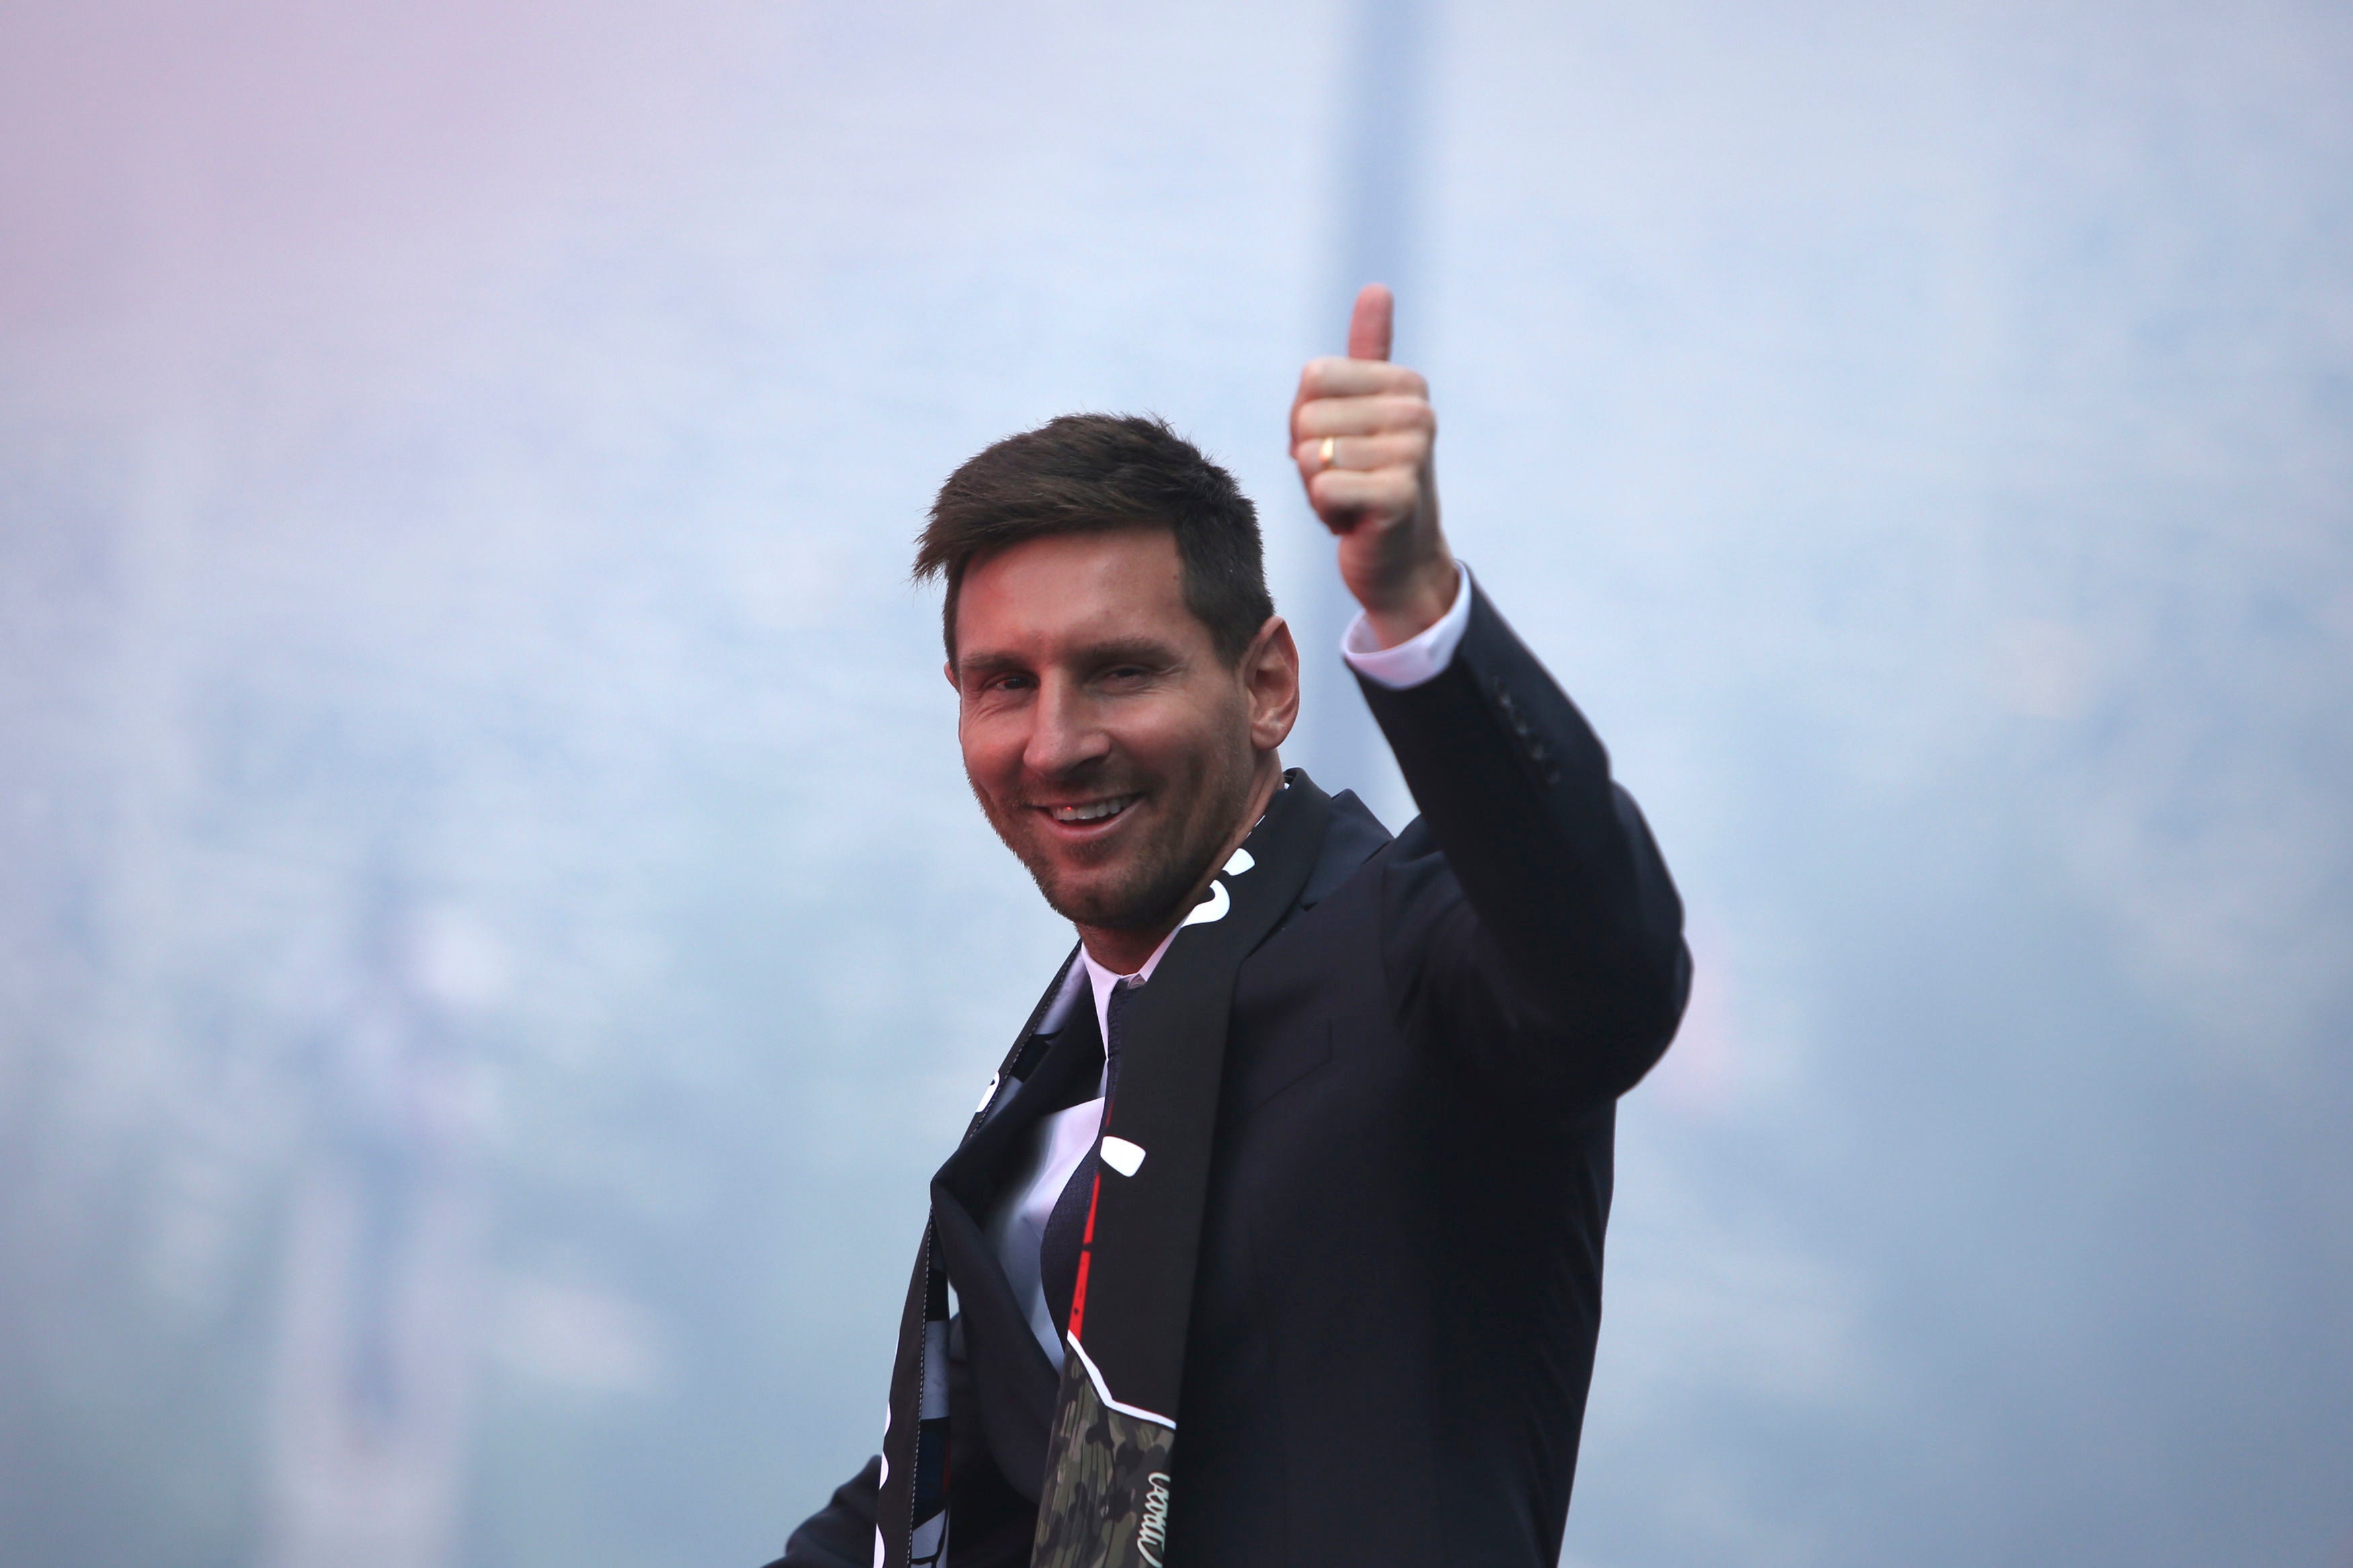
point(1160, 870)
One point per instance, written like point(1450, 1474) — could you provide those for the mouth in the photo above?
point(1087, 813)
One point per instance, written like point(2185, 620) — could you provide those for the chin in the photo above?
point(1107, 899)
point(1090, 904)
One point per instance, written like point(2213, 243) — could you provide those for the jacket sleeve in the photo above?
point(841, 1534)
point(1527, 910)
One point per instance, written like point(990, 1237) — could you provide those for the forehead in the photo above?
point(1048, 596)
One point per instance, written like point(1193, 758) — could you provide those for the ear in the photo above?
point(947, 667)
point(1269, 676)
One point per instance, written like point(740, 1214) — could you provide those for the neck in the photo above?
point(1124, 950)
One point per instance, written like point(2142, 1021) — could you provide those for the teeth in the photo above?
point(1092, 811)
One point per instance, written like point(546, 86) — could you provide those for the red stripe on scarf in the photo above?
point(1086, 1244)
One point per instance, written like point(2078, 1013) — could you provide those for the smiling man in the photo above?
point(1276, 1239)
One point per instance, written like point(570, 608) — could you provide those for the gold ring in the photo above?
point(1324, 451)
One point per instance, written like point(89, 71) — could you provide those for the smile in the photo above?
point(1092, 810)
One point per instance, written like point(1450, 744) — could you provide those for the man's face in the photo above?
point(1111, 748)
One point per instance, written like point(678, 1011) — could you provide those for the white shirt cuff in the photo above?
point(1417, 659)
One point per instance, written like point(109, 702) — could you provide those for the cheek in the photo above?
point(992, 752)
point(1195, 745)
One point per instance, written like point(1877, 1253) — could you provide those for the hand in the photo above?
point(1361, 431)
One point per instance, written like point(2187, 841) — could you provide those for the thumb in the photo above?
point(1368, 328)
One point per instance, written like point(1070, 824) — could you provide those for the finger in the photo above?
point(1330, 378)
point(1396, 450)
point(1369, 324)
point(1348, 500)
point(1361, 416)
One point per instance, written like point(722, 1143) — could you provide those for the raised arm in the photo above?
point(1546, 906)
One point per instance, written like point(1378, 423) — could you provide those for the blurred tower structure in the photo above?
point(377, 1346)
point(1382, 115)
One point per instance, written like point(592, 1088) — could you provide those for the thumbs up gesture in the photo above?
point(1361, 431)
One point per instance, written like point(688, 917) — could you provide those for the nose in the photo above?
point(1064, 735)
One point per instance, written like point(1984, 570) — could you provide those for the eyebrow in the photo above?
point(1114, 650)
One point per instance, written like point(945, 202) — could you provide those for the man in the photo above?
point(1277, 1238)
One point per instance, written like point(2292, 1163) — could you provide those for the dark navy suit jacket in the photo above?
point(1399, 1281)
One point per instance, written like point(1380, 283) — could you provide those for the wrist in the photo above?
point(1420, 605)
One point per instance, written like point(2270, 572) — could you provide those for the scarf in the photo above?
point(1109, 1460)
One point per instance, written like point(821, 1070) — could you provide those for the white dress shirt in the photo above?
point(1061, 1140)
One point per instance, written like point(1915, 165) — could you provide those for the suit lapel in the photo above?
point(1012, 1378)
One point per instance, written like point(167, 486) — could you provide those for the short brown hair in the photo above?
point(1086, 472)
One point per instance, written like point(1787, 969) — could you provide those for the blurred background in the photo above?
point(493, 936)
